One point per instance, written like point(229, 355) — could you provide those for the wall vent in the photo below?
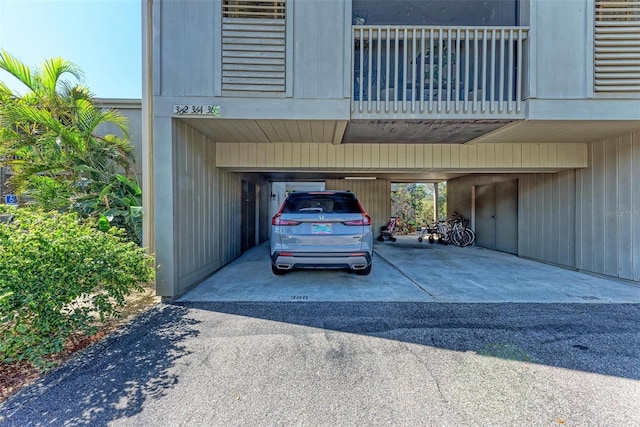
point(253, 46)
point(617, 46)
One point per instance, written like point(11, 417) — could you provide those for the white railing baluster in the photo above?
point(422, 70)
point(388, 79)
point(510, 71)
point(370, 70)
point(404, 71)
point(457, 96)
point(476, 73)
point(440, 47)
point(447, 103)
point(493, 71)
point(466, 70)
point(414, 78)
point(388, 65)
point(431, 47)
point(361, 72)
point(502, 82)
point(519, 74)
point(395, 74)
point(378, 68)
point(485, 90)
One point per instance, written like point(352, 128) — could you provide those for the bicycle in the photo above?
point(452, 230)
point(461, 234)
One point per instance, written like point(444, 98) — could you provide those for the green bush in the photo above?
point(59, 276)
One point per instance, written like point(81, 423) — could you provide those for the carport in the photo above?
point(409, 271)
point(218, 196)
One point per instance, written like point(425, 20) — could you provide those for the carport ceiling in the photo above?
point(342, 131)
point(559, 131)
point(266, 131)
point(419, 131)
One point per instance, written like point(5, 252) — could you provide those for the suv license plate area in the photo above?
point(321, 228)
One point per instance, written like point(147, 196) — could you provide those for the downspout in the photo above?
point(148, 232)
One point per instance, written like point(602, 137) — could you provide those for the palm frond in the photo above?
point(18, 69)
point(53, 69)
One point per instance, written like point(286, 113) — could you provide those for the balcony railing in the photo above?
point(423, 71)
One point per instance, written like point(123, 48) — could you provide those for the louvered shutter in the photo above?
point(617, 46)
point(253, 45)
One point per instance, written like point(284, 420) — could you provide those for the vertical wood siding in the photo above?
point(319, 69)
point(414, 157)
point(608, 220)
point(207, 209)
point(375, 196)
point(587, 219)
point(187, 39)
point(547, 211)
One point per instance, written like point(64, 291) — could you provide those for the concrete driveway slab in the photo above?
point(249, 278)
point(409, 271)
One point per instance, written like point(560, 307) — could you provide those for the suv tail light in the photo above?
point(276, 220)
point(366, 220)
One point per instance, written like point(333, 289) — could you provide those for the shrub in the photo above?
point(59, 275)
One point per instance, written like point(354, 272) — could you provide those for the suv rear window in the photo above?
point(326, 203)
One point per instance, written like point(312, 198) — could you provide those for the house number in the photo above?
point(197, 110)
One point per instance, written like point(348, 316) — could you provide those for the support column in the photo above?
point(164, 196)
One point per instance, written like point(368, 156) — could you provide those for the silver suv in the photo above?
point(321, 229)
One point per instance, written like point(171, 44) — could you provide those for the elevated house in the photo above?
point(528, 109)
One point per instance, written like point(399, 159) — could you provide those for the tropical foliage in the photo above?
point(60, 278)
point(413, 204)
point(52, 138)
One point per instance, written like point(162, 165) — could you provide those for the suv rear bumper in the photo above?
point(291, 260)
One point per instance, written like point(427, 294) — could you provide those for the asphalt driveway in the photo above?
point(359, 363)
point(436, 336)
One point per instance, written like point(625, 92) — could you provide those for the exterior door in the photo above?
point(248, 215)
point(497, 216)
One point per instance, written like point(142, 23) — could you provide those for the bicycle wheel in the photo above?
point(473, 236)
point(462, 237)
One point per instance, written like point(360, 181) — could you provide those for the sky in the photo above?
point(102, 37)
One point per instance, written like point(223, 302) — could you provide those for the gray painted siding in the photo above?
point(187, 38)
point(189, 55)
point(546, 210)
point(587, 219)
point(459, 193)
point(608, 220)
point(558, 38)
point(207, 209)
point(375, 196)
point(131, 109)
point(437, 12)
point(263, 200)
point(319, 61)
